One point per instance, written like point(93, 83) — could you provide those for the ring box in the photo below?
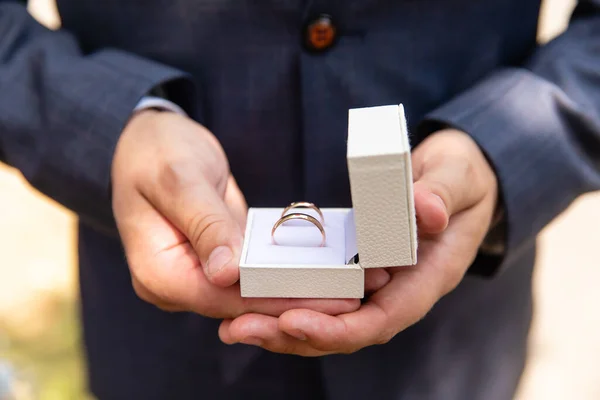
point(378, 231)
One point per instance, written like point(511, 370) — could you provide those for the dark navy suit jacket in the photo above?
point(280, 111)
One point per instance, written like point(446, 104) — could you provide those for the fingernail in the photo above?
point(252, 341)
point(219, 258)
point(297, 333)
point(440, 201)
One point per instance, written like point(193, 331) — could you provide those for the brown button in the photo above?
point(320, 33)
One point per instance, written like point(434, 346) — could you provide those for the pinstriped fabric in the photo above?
point(61, 113)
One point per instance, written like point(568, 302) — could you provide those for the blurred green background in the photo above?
point(40, 344)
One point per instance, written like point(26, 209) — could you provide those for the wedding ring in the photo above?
point(300, 216)
point(304, 204)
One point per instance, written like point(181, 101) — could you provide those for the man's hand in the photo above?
point(455, 197)
point(181, 217)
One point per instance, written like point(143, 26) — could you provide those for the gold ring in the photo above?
point(303, 217)
point(304, 204)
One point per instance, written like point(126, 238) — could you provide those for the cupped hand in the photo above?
point(181, 217)
point(455, 197)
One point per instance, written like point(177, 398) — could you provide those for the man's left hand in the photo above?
point(455, 196)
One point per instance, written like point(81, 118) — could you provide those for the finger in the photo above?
point(401, 303)
point(175, 278)
point(167, 272)
point(236, 203)
point(375, 279)
point(175, 282)
point(276, 307)
point(452, 184)
point(405, 300)
point(432, 214)
point(328, 333)
point(193, 205)
point(224, 334)
point(452, 179)
point(143, 293)
point(161, 261)
point(263, 331)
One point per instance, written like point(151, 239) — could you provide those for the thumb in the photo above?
point(199, 212)
point(443, 189)
point(236, 203)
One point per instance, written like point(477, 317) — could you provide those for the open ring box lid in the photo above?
point(378, 231)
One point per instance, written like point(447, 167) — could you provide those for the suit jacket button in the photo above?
point(320, 33)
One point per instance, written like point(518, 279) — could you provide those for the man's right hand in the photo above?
point(181, 218)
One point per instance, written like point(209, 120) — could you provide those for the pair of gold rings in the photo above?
point(285, 217)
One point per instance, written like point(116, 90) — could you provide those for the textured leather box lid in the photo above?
point(381, 183)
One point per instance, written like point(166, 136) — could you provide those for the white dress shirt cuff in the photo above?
point(158, 103)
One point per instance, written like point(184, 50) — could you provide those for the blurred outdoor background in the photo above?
point(39, 332)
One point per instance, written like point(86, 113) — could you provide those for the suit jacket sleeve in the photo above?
point(61, 111)
point(539, 125)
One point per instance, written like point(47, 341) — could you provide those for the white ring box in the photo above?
point(380, 227)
